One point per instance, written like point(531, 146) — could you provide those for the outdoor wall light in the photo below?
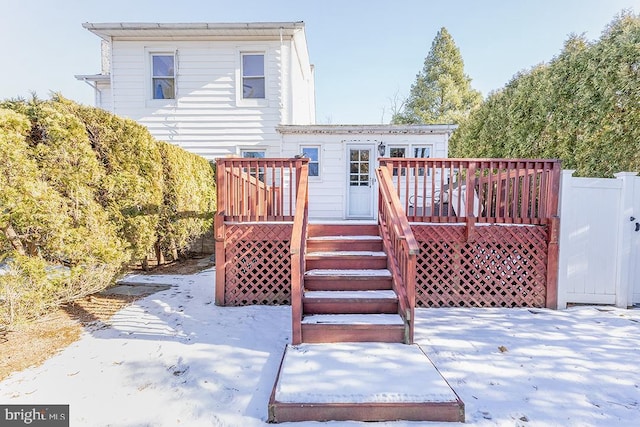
point(382, 148)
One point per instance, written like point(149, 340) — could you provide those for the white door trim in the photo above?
point(361, 199)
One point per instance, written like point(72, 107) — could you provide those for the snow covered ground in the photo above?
point(176, 359)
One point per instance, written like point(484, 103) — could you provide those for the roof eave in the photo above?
point(93, 77)
point(143, 29)
point(366, 129)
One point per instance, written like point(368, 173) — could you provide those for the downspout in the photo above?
point(113, 100)
point(283, 91)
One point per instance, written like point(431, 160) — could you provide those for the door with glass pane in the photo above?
point(360, 188)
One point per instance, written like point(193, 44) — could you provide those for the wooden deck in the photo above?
point(450, 233)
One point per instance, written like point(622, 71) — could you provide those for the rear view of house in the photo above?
point(247, 90)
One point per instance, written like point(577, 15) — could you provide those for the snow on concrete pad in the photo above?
point(361, 381)
point(352, 373)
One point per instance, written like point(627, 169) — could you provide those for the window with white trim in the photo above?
point(254, 154)
point(398, 152)
point(415, 151)
point(163, 76)
point(313, 154)
point(422, 152)
point(253, 76)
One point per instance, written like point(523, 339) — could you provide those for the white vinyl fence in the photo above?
point(599, 240)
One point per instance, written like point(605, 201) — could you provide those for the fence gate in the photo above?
point(599, 247)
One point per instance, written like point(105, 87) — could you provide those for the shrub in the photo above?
point(189, 199)
point(131, 188)
point(84, 192)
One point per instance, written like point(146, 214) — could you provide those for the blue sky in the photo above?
point(365, 51)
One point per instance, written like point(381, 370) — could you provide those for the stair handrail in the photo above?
point(298, 249)
point(401, 247)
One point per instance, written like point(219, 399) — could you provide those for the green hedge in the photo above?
point(84, 194)
point(582, 107)
point(189, 199)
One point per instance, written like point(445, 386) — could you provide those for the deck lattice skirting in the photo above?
point(258, 264)
point(501, 252)
point(499, 266)
point(491, 266)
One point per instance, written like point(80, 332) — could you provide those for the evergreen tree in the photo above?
point(442, 93)
point(582, 107)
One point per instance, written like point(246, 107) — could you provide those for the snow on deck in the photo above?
point(382, 294)
point(358, 237)
point(360, 373)
point(345, 253)
point(353, 273)
point(354, 319)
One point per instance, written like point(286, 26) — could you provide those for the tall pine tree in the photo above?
point(442, 92)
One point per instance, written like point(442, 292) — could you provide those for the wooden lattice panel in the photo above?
point(258, 264)
point(490, 266)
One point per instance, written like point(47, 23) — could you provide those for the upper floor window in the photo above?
point(313, 154)
point(253, 78)
point(163, 78)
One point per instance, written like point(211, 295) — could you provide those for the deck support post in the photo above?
point(219, 234)
point(553, 255)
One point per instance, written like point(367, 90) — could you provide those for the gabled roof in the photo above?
point(185, 30)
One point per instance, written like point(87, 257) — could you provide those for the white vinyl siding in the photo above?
point(327, 196)
point(204, 117)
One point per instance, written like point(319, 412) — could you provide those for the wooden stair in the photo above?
point(348, 295)
point(350, 329)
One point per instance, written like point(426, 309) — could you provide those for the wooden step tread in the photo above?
point(358, 237)
point(351, 295)
point(351, 274)
point(350, 254)
point(353, 319)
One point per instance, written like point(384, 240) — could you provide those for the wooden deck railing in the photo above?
point(257, 189)
point(504, 191)
point(298, 250)
point(401, 247)
point(261, 191)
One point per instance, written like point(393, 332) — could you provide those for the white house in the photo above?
point(247, 89)
point(213, 89)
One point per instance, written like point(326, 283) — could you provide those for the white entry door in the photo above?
point(360, 181)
